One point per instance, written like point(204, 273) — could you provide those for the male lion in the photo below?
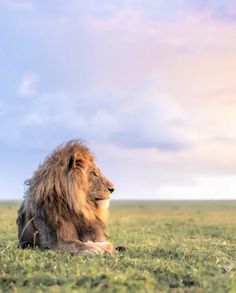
point(66, 202)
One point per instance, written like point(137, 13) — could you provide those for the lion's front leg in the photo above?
point(79, 247)
point(67, 240)
point(104, 245)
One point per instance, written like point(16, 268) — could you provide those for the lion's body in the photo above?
point(65, 205)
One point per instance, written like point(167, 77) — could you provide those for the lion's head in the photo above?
point(70, 180)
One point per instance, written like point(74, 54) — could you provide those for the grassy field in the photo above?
point(171, 247)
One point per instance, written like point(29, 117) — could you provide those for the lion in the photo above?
point(66, 203)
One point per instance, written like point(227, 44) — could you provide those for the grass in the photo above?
point(171, 247)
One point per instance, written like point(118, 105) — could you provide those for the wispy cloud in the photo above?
point(119, 119)
point(28, 85)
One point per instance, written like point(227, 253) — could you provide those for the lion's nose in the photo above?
point(111, 189)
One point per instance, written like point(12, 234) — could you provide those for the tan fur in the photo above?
point(65, 203)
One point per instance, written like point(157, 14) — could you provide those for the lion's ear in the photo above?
point(75, 161)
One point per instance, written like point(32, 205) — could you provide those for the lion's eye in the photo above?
point(95, 174)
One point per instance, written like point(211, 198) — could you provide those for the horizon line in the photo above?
point(149, 199)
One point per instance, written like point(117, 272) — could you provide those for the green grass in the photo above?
point(171, 247)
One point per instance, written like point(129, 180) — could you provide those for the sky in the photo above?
point(149, 85)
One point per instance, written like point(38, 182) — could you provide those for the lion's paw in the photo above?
point(100, 247)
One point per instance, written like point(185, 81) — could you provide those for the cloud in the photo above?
point(28, 85)
point(208, 187)
point(152, 120)
point(149, 119)
point(130, 25)
point(152, 173)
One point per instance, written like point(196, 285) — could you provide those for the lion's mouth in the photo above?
point(99, 198)
point(103, 202)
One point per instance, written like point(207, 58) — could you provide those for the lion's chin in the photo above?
point(103, 203)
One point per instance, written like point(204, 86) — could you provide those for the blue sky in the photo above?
point(150, 85)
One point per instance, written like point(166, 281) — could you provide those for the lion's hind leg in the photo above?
point(21, 223)
point(27, 234)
